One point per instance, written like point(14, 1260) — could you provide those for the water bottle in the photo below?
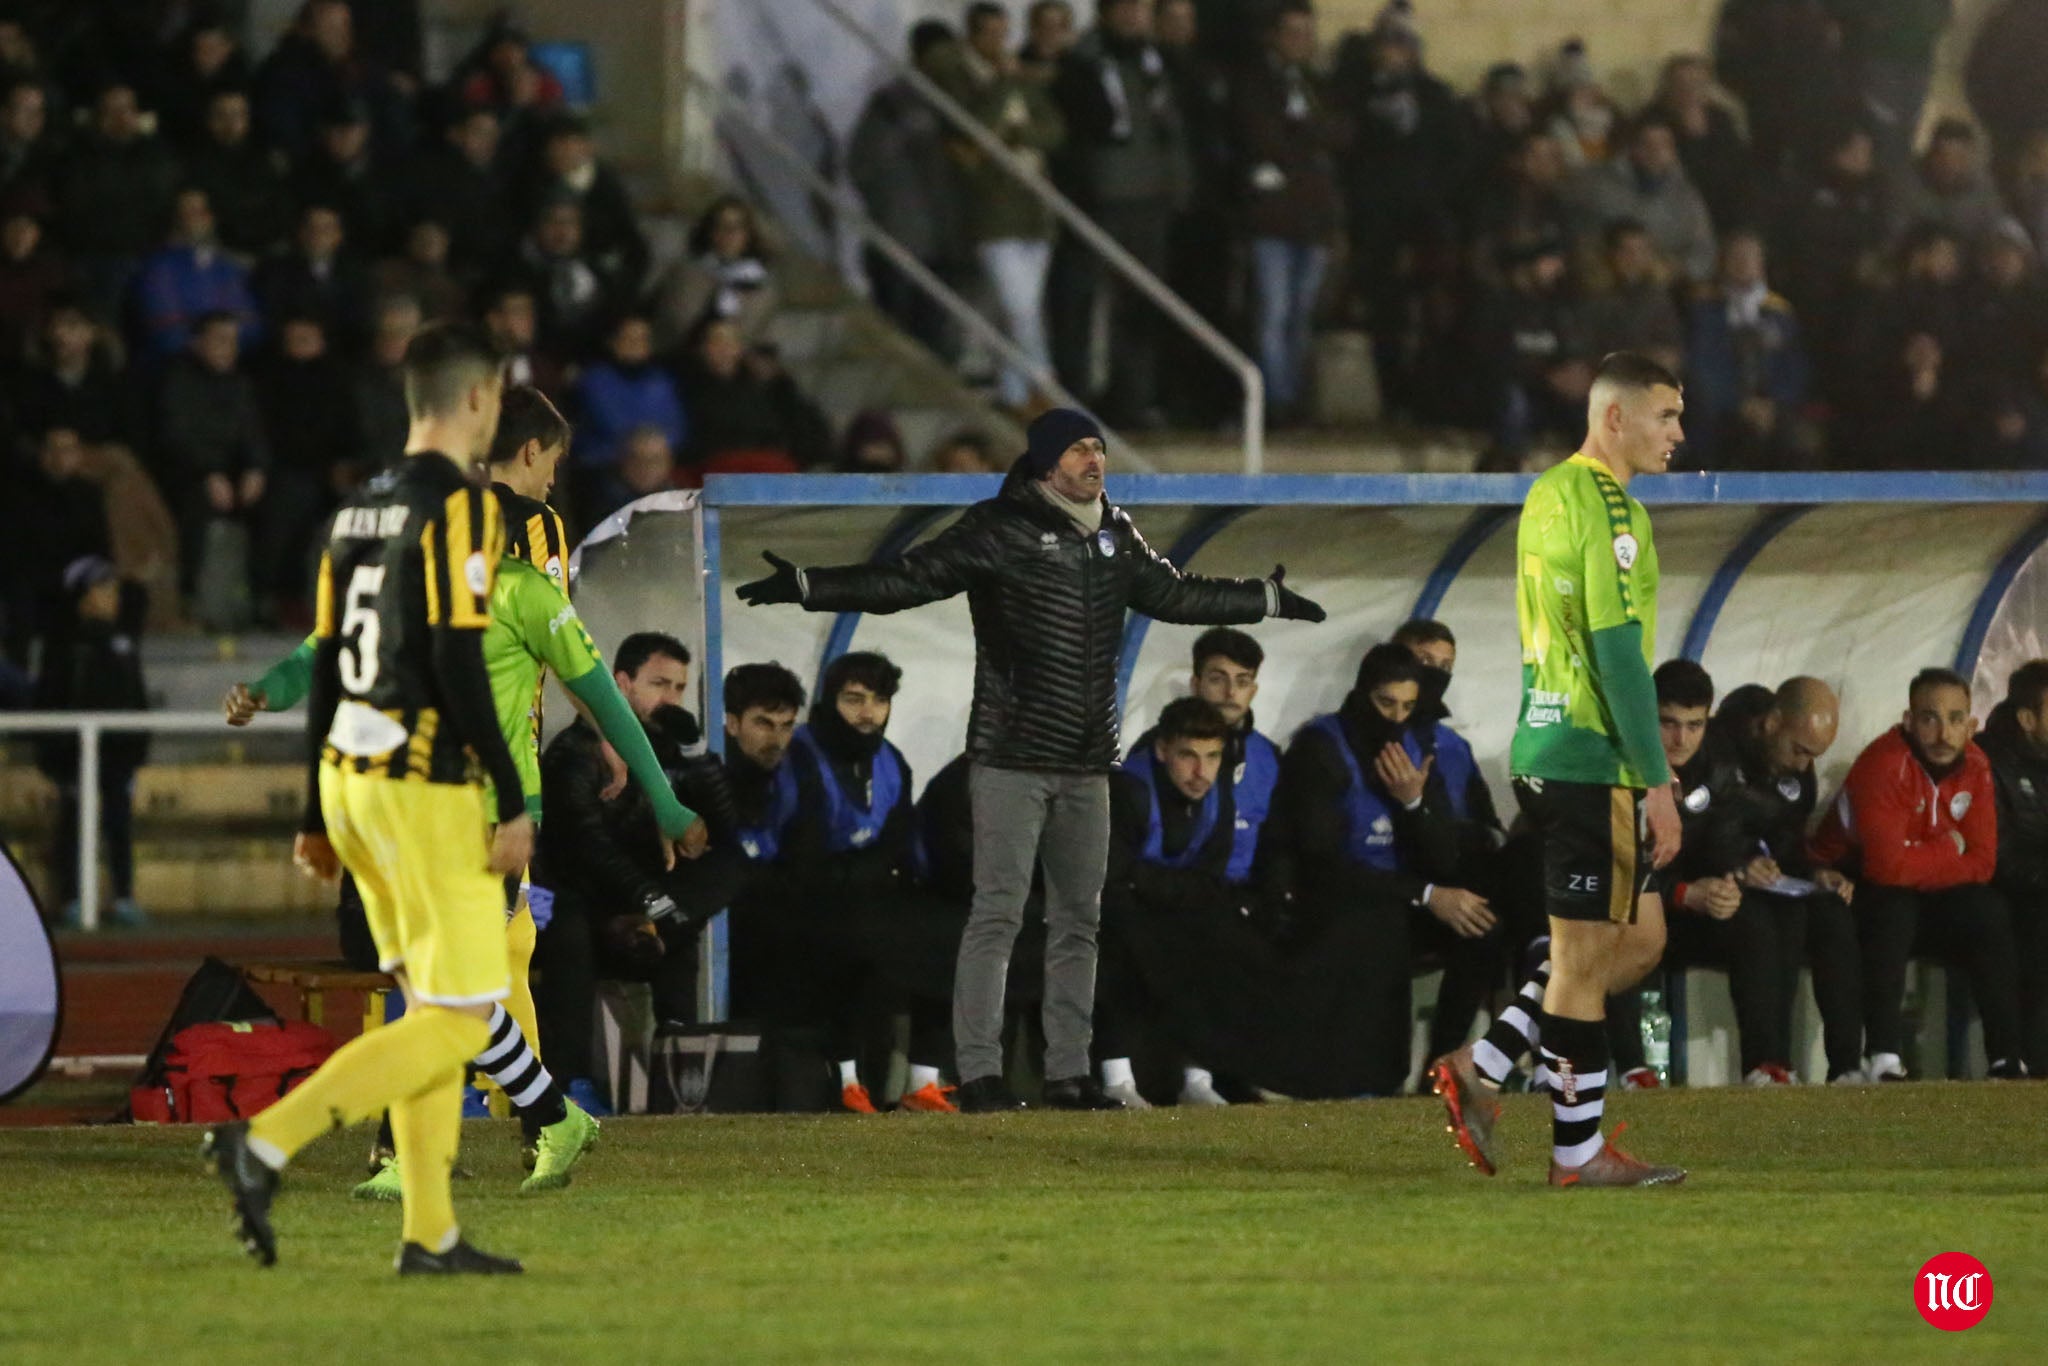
point(1657, 1034)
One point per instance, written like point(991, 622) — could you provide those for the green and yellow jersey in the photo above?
point(533, 629)
point(1586, 600)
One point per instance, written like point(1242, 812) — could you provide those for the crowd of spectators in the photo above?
point(1839, 291)
point(1270, 902)
point(211, 259)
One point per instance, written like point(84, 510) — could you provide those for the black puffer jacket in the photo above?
point(2019, 774)
point(1048, 609)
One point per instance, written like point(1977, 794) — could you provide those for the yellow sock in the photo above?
point(426, 1131)
point(371, 1072)
point(519, 937)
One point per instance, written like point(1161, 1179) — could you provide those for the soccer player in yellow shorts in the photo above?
point(402, 719)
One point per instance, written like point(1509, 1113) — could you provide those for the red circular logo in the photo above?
point(1953, 1291)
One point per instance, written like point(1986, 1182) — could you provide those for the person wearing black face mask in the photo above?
point(1457, 787)
point(1374, 854)
point(843, 862)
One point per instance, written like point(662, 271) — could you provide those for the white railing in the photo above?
point(1091, 233)
point(90, 726)
point(854, 213)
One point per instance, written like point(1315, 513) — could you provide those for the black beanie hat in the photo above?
point(1049, 435)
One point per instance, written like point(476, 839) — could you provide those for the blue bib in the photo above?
point(851, 824)
point(1142, 764)
point(1251, 796)
point(761, 843)
point(1368, 819)
point(1454, 763)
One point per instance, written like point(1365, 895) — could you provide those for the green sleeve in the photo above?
point(1631, 698)
point(616, 722)
point(550, 626)
point(284, 684)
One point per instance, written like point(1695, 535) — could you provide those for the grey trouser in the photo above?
point(1058, 822)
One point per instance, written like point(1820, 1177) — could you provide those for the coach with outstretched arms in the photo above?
point(1049, 567)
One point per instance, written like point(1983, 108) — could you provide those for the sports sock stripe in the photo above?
point(511, 1063)
point(1515, 1032)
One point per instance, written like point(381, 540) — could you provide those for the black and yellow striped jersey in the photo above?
point(416, 550)
point(534, 532)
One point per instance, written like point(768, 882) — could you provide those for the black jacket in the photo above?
point(1711, 819)
point(1048, 608)
point(94, 666)
point(816, 879)
point(604, 857)
point(1774, 811)
point(2019, 776)
point(1201, 885)
point(1312, 835)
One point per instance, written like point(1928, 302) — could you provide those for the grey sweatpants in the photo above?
point(1058, 822)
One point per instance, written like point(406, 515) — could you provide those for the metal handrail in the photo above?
point(1087, 229)
point(90, 725)
point(855, 213)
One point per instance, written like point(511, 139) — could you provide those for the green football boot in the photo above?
point(561, 1145)
point(382, 1186)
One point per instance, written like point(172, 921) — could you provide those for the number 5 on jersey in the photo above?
point(360, 631)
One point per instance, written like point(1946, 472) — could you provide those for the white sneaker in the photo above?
point(1200, 1091)
point(1127, 1092)
point(1885, 1067)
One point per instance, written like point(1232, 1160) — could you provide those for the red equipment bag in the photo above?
point(231, 1070)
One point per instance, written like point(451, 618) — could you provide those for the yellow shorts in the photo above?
point(419, 854)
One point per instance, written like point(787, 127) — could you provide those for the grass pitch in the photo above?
point(1286, 1233)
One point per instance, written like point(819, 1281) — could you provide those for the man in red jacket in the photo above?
point(1917, 818)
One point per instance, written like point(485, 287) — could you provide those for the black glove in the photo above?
point(781, 586)
point(1293, 606)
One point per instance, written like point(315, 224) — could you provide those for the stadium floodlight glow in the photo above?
point(30, 995)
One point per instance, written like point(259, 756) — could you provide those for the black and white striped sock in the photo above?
point(1574, 1053)
point(511, 1062)
point(1514, 1031)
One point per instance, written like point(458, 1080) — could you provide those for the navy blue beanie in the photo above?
point(1049, 435)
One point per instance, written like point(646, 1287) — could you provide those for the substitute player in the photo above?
point(1589, 770)
point(405, 734)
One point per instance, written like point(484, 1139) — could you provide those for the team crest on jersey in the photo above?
point(1958, 805)
point(1106, 543)
point(477, 574)
point(1625, 550)
point(1698, 800)
point(1788, 788)
point(554, 568)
